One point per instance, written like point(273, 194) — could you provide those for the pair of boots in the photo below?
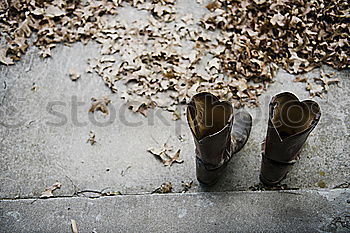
point(219, 133)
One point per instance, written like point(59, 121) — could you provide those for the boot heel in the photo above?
point(208, 177)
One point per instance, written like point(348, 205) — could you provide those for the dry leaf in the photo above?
point(315, 89)
point(166, 187)
point(212, 6)
point(34, 87)
point(277, 19)
point(302, 79)
point(176, 116)
point(141, 105)
point(327, 79)
point(48, 191)
point(175, 158)
point(74, 75)
point(74, 226)
point(4, 59)
point(163, 154)
point(186, 186)
point(100, 105)
point(54, 11)
point(92, 138)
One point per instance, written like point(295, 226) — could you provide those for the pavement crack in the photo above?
point(344, 185)
point(102, 193)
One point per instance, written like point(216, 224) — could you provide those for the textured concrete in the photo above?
point(287, 211)
point(44, 133)
point(43, 139)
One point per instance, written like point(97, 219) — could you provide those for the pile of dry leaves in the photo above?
point(233, 51)
point(298, 35)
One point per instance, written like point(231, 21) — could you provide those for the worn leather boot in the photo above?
point(290, 123)
point(217, 133)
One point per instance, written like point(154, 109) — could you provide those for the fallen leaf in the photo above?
point(186, 186)
point(48, 191)
point(54, 11)
point(34, 87)
point(212, 6)
point(321, 184)
point(100, 105)
point(74, 75)
point(163, 154)
point(277, 19)
point(176, 116)
point(4, 59)
point(141, 105)
point(166, 187)
point(327, 79)
point(300, 79)
point(175, 158)
point(92, 138)
point(74, 226)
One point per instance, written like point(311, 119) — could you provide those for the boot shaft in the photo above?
point(210, 121)
point(289, 125)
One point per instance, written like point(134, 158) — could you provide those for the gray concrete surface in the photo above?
point(285, 211)
point(38, 146)
point(43, 139)
point(43, 133)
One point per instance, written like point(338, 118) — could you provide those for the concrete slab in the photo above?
point(43, 132)
point(285, 211)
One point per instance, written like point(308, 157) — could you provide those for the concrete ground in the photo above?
point(44, 134)
point(45, 124)
point(271, 211)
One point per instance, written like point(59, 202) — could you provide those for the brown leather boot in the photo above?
point(290, 123)
point(217, 133)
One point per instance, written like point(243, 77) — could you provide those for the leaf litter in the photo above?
point(241, 44)
point(163, 153)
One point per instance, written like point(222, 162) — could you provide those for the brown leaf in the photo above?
point(277, 19)
point(74, 226)
point(4, 59)
point(48, 191)
point(34, 87)
point(166, 187)
point(175, 158)
point(212, 6)
point(176, 116)
point(100, 105)
point(74, 75)
point(92, 138)
point(141, 105)
point(53, 11)
point(327, 79)
point(186, 186)
point(163, 154)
